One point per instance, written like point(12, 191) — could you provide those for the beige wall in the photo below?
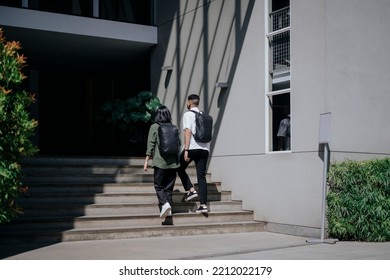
point(338, 64)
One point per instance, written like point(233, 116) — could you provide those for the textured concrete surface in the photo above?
point(240, 246)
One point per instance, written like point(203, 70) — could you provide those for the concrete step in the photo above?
point(88, 165)
point(87, 178)
point(33, 170)
point(58, 178)
point(107, 221)
point(52, 236)
point(67, 210)
point(80, 161)
point(57, 189)
point(39, 170)
point(109, 198)
point(48, 170)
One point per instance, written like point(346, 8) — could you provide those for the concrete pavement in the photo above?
point(238, 246)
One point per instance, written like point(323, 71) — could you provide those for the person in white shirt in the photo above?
point(284, 134)
point(194, 151)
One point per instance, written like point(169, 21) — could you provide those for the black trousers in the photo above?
point(164, 181)
point(200, 158)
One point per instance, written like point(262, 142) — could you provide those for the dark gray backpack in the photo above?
point(204, 127)
point(168, 139)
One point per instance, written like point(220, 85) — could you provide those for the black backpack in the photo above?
point(168, 139)
point(204, 127)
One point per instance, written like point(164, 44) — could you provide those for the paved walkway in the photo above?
point(241, 246)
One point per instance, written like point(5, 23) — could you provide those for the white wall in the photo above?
point(283, 188)
point(358, 69)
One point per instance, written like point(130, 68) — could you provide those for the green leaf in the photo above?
point(358, 200)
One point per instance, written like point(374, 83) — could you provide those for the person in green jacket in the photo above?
point(164, 166)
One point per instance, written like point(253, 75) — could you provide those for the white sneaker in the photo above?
point(165, 209)
point(202, 209)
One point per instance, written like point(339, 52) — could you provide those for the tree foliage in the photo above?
point(16, 126)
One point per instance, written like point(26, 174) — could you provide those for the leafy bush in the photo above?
point(16, 127)
point(133, 117)
point(129, 113)
point(358, 200)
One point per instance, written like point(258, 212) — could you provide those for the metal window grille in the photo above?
point(280, 49)
point(280, 41)
point(280, 19)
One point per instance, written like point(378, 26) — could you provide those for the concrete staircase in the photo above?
point(73, 199)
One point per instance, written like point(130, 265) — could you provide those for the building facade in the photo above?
point(253, 63)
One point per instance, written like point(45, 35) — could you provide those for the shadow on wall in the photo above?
point(206, 33)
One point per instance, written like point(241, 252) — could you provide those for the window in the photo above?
point(71, 7)
point(279, 120)
point(134, 11)
point(11, 3)
point(278, 92)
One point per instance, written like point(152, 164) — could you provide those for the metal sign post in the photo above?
point(324, 139)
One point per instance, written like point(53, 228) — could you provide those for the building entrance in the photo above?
point(71, 121)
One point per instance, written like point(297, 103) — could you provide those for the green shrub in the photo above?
point(129, 113)
point(358, 201)
point(16, 127)
point(132, 117)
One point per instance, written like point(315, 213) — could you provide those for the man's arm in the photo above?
point(187, 139)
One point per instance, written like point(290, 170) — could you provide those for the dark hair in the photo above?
point(163, 115)
point(193, 97)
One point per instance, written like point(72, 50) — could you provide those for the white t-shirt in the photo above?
point(189, 122)
point(284, 128)
point(284, 131)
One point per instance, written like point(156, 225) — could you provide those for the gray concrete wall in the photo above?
point(208, 45)
point(330, 45)
point(357, 77)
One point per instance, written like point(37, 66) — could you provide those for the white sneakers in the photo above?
point(165, 210)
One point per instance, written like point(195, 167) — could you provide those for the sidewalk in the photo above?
point(239, 246)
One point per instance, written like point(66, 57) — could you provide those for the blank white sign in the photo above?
point(325, 126)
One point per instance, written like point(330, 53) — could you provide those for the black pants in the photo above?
point(200, 158)
point(164, 181)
